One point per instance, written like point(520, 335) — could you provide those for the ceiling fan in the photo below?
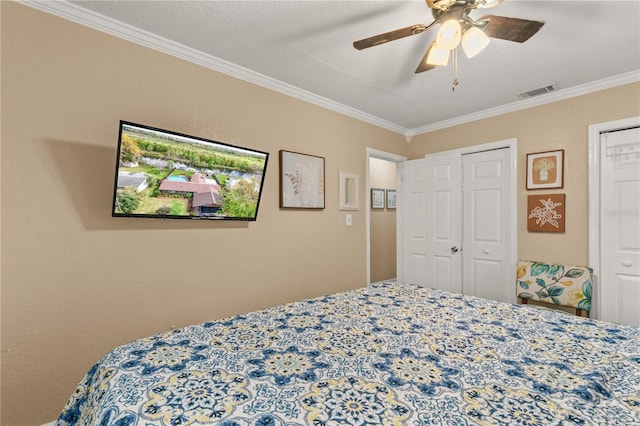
point(456, 27)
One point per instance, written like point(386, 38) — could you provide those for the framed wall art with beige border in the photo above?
point(348, 190)
point(545, 169)
point(301, 181)
point(546, 213)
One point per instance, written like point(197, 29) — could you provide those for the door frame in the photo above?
point(512, 144)
point(381, 155)
point(595, 130)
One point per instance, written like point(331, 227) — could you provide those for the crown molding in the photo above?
point(130, 33)
point(559, 95)
point(127, 32)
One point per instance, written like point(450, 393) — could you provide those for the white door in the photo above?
point(487, 215)
point(413, 235)
point(431, 222)
point(619, 281)
point(431, 247)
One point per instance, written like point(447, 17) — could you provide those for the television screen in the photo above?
point(165, 174)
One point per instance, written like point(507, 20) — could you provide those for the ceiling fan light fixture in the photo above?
point(489, 3)
point(437, 56)
point(474, 40)
point(449, 34)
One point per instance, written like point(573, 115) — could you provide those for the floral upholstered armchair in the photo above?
point(557, 284)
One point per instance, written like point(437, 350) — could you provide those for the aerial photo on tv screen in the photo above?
point(165, 174)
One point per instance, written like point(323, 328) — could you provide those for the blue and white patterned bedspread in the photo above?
point(390, 354)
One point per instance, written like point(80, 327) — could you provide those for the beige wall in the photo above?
point(560, 125)
point(382, 174)
point(76, 282)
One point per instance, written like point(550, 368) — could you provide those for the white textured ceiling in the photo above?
point(304, 48)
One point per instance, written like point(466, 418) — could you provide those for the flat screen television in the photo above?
point(163, 174)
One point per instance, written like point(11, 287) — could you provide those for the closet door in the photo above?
point(619, 281)
point(486, 222)
point(431, 219)
point(455, 240)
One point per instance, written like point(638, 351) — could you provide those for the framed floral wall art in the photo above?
point(546, 213)
point(301, 181)
point(545, 169)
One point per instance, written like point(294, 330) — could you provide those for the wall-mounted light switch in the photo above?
point(348, 219)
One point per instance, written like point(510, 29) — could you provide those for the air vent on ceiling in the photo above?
point(537, 92)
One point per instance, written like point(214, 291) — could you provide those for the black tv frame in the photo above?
point(183, 184)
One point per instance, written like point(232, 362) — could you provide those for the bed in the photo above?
point(390, 354)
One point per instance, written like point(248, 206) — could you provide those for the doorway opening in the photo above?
point(381, 224)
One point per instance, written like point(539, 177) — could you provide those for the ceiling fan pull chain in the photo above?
point(455, 81)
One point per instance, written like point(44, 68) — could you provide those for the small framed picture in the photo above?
point(377, 198)
point(545, 169)
point(391, 198)
point(349, 184)
point(301, 181)
point(545, 213)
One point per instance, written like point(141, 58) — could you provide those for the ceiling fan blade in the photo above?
point(511, 29)
point(423, 66)
point(390, 36)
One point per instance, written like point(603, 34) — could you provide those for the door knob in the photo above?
point(454, 250)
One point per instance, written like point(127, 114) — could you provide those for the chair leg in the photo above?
point(582, 313)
